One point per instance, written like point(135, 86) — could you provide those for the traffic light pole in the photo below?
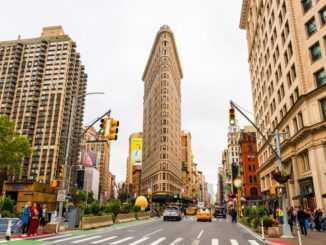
point(286, 228)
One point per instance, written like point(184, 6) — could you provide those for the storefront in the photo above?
point(307, 194)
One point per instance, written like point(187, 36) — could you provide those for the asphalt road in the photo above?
point(185, 232)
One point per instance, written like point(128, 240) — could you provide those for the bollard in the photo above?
point(262, 231)
point(299, 235)
point(8, 232)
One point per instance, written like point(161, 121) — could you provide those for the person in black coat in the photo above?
point(301, 216)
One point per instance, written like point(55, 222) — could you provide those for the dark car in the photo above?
point(219, 212)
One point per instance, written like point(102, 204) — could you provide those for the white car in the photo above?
point(172, 213)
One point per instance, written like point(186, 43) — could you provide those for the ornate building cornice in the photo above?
point(244, 12)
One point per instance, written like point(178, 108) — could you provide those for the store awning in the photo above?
point(297, 197)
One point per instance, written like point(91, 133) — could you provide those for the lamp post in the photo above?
point(74, 99)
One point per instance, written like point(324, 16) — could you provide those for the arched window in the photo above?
point(253, 192)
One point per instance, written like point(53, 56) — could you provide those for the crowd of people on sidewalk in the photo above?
point(307, 219)
point(34, 216)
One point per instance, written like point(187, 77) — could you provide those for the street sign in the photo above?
point(61, 196)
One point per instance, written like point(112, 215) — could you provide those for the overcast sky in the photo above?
point(115, 37)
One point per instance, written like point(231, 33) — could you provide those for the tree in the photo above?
point(13, 146)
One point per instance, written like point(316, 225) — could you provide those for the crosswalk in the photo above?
point(130, 240)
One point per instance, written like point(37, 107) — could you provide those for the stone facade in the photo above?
point(162, 170)
point(287, 60)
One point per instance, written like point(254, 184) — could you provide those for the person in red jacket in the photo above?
point(34, 221)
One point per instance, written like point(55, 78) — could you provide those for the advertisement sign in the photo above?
point(89, 158)
point(136, 151)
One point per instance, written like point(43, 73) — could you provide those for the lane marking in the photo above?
point(139, 241)
point(122, 240)
point(214, 241)
point(158, 241)
point(153, 232)
point(176, 241)
point(234, 242)
point(254, 234)
point(86, 239)
point(66, 239)
point(103, 240)
point(201, 233)
point(253, 242)
point(195, 242)
point(53, 237)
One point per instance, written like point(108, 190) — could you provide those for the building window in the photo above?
point(253, 192)
point(306, 4)
point(311, 27)
point(320, 77)
point(315, 51)
point(323, 15)
point(323, 107)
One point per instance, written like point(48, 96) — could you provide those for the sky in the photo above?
point(114, 38)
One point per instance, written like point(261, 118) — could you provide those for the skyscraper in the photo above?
point(161, 170)
point(38, 79)
point(287, 62)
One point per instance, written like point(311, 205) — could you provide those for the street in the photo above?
point(188, 231)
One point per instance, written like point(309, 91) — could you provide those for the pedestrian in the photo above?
point(291, 218)
point(301, 216)
point(234, 215)
point(317, 218)
point(280, 215)
point(25, 217)
point(307, 220)
point(34, 221)
point(43, 216)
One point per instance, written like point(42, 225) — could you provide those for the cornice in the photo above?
point(243, 15)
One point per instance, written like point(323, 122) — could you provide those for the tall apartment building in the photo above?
point(38, 79)
point(134, 164)
point(97, 143)
point(220, 186)
point(227, 174)
point(186, 160)
point(233, 153)
point(161, 170)
point(287, 59)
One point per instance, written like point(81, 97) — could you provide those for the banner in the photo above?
point(136, 151)
point(89, 158)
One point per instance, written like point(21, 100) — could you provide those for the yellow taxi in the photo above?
point(191, 211)
point(204, 214)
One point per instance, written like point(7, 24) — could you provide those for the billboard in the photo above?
point(136, 151)
point(89, 158)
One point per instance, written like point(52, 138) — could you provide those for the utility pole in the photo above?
point(286, 228)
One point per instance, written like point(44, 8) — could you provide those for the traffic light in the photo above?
point(113, 130)
point(54, 183)
point(232, 117)
point(62, 170)
point(102, 130)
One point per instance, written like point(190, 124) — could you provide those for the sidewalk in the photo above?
point(313, 238)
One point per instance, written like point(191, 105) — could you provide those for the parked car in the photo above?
point(172, 213)
point(204, 214)
point(219, 212)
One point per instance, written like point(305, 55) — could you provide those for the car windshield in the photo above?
point(219, 209)
point(171, 209)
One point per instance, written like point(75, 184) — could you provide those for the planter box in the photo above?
point(274, 231)
point(121, 218)
point(141, 216)
point(95, 221)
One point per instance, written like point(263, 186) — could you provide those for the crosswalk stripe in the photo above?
point(176, 241)
point(86, 239)
point(253, 242)
point(54, 237)
point(158, 241)
point(139, 241)
point(122, 240)
point(234, 242)
point(66, 239)
point(104, 240)
point(214, 241)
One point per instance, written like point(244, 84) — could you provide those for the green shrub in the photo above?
point(8, 205)
point(245, 220)
point(7, 214)
point(87, 210)
point(136, 209)
point(254, 223)
point(246, 212)
point(253, 212)
point(267, 221)
point(261, 211)
point(95, 207)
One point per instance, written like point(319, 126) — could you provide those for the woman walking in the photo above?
point(25, 217)
point(33, 224)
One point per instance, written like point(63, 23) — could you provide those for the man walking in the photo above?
point(301, 216)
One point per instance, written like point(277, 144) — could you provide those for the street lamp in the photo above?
point(74, 98)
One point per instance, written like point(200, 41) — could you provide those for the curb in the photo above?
point(256, 235)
